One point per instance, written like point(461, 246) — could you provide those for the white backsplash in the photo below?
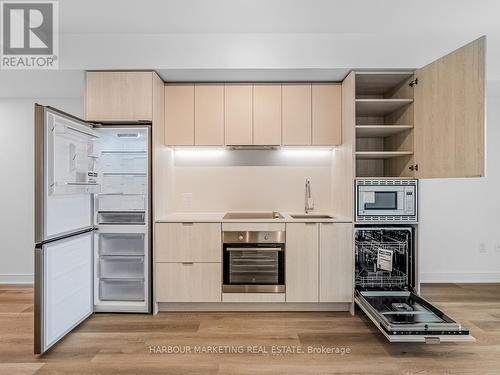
point(250, 180)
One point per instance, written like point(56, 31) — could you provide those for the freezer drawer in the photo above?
point(121, 267)
point(121, 290)
point(121, 217)
point(121, 244)
point(403, 316)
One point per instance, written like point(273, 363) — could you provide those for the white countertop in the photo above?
point(217, 217)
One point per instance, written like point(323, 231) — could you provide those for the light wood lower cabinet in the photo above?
point(188, 282)
point(188, 242)
point(335, 262)
point(319, 262)
point(301, 262)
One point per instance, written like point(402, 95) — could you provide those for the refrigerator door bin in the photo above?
point(121, 217)
point(121, 244)
point(70, 156)
point(121, 290)
point(121, 267)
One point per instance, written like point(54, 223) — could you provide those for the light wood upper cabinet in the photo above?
point(238, 114)
point(208, 115)
point(336, 262)
point(119, 96)
point(267, 114)
point(179, 114)
point(326, 114)
point(296, 107)
point(450, 114)
point(301, 262)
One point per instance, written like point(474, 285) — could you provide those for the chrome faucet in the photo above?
point(309, 202)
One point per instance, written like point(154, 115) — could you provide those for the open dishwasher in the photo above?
point(386, 288)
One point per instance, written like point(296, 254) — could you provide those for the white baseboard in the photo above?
point(16, 278)
point(460, 277)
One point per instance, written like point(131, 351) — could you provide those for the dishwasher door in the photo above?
point(403, 316)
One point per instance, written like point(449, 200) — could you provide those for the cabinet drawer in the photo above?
point(188, 242)
point(188, 282)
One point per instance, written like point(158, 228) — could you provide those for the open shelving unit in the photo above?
point(384, 124)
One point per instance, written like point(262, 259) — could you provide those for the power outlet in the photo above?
point(497, 247)
point(482, 248)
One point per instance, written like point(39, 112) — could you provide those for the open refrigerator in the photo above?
point(92, 221)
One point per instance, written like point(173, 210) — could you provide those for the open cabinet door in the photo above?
point(450, 114)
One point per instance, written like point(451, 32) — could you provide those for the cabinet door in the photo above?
point(326, 114)
point(179, 115)
point(238, 114)
point(208, 115)
point(267, 114)
point(301, 262)
point(335, 262)
point(450, 114)
point(188, 282)
point(296, 102)
point(119, 96)
point(188, 242)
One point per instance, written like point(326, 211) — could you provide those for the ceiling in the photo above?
point(256, 40)
point(278, 16)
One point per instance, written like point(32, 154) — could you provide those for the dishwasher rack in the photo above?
point(367, 244)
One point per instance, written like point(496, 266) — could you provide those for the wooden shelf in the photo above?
point(379, 107)
point(363, 155)
point(379, 83)
point(375, 131)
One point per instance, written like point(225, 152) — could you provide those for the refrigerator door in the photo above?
point(65, 174)
point(403, 316)
point(63, 287)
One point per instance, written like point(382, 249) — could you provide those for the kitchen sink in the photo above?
point(253, 215)
point(312, 216)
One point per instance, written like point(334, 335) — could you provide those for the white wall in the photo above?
point(457, 215)
point(17, 184)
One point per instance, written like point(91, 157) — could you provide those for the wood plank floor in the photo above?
point(122, 343)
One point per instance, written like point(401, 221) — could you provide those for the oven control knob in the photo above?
point(266, 236)
point(240, 237)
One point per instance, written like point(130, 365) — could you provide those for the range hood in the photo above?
point(253, 147)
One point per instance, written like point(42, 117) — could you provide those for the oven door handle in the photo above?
point(254, 249)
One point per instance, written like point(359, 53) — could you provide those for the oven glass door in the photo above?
point(253, 266)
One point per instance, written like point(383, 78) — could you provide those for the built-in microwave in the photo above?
point(386, 200)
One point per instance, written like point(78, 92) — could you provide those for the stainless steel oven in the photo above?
point(386, 200)
point(253, 262)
